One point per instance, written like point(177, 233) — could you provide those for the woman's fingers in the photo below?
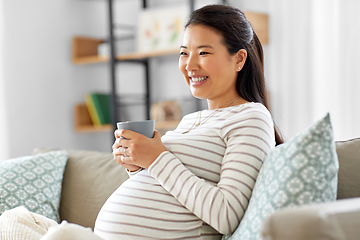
point(118, 133)
point(139, 149)
point(125, 133)
point(118, 159)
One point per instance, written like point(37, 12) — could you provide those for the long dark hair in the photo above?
point(238, 34)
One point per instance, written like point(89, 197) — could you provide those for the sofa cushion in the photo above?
point(33, 182)
point(302, 170)
point(89, 179)
point(334, 220)
point(349, 164)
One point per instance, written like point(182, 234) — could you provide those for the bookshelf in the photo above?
point(84, 51)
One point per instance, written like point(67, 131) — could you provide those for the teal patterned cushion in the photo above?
point(301, 171)
point(33, 182)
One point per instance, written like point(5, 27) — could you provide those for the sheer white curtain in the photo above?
point(3, 127)
point(313, 64)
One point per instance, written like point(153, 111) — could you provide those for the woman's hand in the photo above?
point(140, 150)
point(118, 153)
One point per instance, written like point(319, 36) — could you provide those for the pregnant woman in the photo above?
point(195, 182)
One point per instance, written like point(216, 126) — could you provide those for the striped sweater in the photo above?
point(200, 187)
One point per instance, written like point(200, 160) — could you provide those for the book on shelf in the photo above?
point(98, 105)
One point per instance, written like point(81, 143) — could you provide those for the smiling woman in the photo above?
point(196, 181)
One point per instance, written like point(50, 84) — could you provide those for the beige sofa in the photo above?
point(91, 177)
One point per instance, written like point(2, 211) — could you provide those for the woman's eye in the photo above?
point(203, 53)
point(182, 53)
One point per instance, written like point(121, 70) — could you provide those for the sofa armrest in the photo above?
point(335, 220)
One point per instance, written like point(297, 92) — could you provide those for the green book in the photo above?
point(101, 103)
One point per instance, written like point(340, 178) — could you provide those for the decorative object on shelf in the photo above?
point(98, 105)
point(103, 49)
point(161, 28)
point(166, 111)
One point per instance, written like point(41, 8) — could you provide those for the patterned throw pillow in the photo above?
point(301, 171)
point(33, 182)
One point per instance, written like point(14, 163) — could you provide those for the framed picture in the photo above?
point(161, 28)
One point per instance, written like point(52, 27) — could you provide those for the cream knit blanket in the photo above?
point(20, 224)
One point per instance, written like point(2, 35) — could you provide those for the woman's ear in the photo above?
point(241, 56)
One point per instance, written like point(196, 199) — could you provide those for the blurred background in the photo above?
point(311, 68)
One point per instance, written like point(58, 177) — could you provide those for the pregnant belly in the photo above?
point(141, 208)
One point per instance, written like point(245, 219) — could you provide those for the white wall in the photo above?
point(3, 123)
point(41, 83)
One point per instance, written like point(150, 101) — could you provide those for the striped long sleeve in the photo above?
point(212, 170)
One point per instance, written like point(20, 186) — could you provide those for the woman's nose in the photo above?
point(192, 64)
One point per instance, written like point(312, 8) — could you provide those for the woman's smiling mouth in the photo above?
point(198, 79)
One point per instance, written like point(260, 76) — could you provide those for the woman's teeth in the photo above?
point(199, 79)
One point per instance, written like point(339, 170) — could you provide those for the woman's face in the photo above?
point(208, 68)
